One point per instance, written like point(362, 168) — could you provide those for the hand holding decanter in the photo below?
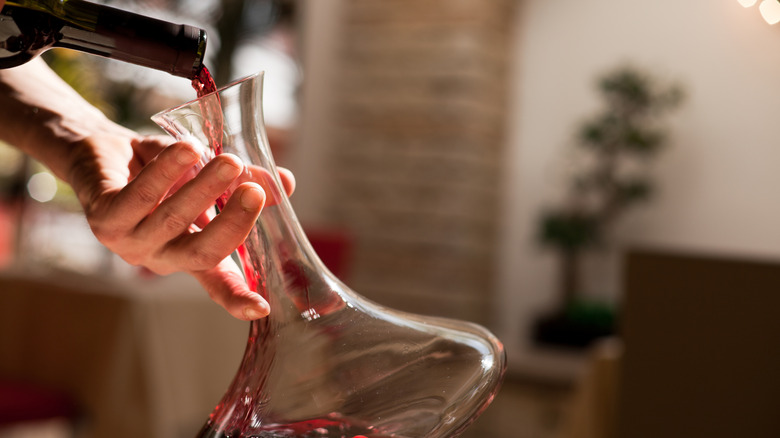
point(326, 362)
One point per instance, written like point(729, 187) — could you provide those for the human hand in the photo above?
point(144, 201)
point(141, 196)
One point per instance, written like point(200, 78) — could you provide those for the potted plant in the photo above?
point(617, 146)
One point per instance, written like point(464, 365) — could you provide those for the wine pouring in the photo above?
point(327, 362)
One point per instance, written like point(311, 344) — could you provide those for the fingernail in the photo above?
point(252, 198)
point(228, 171)
point(186, 156)
point(255, 312)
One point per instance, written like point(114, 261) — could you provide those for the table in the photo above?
point(142, 357)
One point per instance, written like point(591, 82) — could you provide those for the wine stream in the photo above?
point(328, 363)
point(204, 85)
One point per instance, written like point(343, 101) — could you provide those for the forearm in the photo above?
point(45, 118)
point(139, 193)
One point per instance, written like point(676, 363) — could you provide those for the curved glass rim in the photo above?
point(219, 90)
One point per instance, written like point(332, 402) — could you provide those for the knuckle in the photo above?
point(174, 222)
point(151, 260)
point(201, 259)
point(146, 196)
point(133, 256)
point(108, 236)
point(169, 174)
point(235, 227)
point(159, 270)
point(95, 208)
point(134, 259)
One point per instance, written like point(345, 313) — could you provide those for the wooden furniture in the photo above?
point(140, 357)
point(701, 355)
point(698, 353)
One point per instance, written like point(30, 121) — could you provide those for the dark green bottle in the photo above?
point(29, 27)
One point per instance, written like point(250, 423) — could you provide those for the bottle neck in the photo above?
point(112, 33)
point(175, 48)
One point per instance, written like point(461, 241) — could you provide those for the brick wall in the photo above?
point(419, 121)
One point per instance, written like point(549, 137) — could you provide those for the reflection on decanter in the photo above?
point(328, 362)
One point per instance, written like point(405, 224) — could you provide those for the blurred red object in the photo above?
point(22, 402)
point(334, 247)
point(8, 218)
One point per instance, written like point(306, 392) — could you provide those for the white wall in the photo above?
point(719, 183)
point(319, 42)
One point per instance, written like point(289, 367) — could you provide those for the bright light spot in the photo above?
point(487, 362)
point(747, 3)
point(42, 187)
point(310, 314)
point(770, 10)
point(280, 82)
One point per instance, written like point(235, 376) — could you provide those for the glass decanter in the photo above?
point(328, 362)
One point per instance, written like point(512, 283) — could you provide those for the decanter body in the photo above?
point(328, 362)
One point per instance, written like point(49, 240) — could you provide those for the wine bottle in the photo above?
point(30, 27)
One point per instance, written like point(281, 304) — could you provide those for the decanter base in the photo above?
point(315, 428)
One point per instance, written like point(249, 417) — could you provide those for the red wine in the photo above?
point(211, 108)
point(204, 83)
point(316, 428)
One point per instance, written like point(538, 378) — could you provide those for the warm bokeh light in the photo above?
point(42, 187)
point(747, 3)
point(770, 10)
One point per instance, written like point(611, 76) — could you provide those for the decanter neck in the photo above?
point(281, 265)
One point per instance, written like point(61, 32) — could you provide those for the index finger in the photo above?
point(142, 195)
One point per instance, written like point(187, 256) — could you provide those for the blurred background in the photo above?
point(592, 181)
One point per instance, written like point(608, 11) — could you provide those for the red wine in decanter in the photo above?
point(205, 85)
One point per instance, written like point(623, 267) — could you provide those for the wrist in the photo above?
point(46, 119)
